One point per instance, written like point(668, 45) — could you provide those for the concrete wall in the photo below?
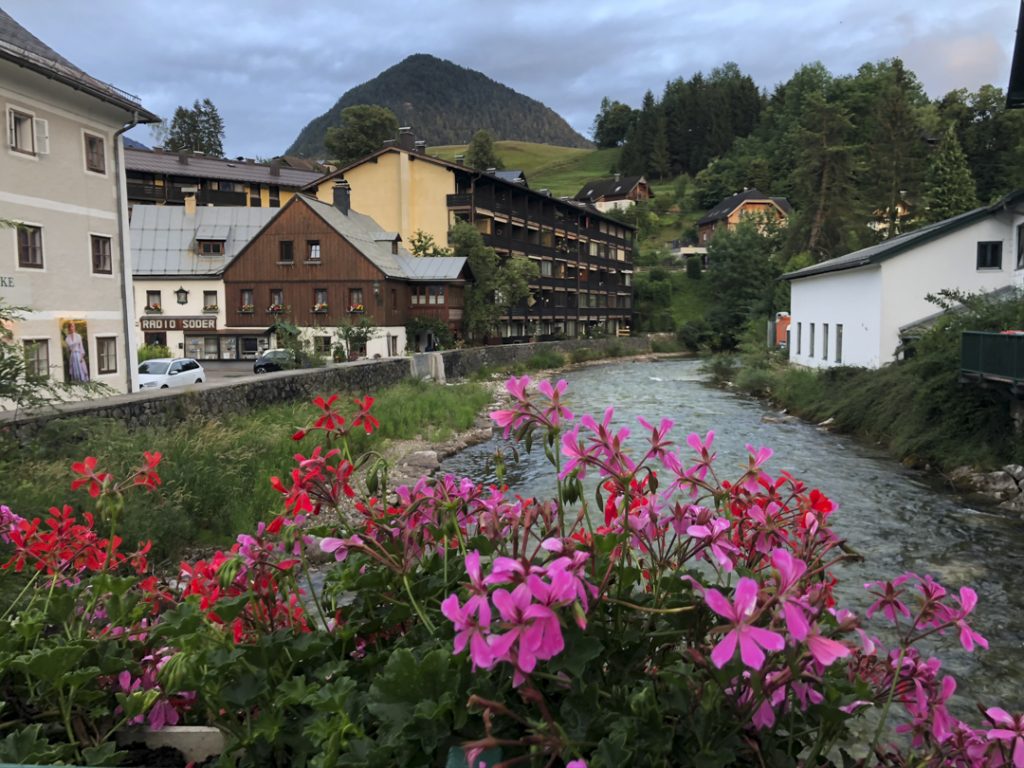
point(168, 407)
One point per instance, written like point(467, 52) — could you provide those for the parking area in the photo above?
point(226, 370)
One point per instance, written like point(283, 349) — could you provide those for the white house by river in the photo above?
point(849, 310)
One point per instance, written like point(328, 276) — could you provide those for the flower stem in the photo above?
point(888, 698)
point(416, 606)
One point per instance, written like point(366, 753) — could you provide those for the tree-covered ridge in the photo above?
point(860, 157)
point(445, 104)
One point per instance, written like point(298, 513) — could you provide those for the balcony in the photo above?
point(218, 197)
point(459, 201)
point(996, 358)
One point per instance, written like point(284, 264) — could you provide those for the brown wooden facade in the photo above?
point(343, 278)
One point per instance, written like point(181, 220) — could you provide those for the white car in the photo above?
point(166, 372)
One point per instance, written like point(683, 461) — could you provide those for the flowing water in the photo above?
point(890, 514)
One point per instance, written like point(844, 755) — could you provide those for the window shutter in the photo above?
point(42, 136)
point(12, 140)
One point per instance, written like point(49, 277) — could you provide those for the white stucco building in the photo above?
point(62, 185)
point(849, 310)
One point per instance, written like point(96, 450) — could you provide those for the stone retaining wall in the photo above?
point(166, 407)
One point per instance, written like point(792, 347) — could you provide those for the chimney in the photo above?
point(390, 142)
point(421, 147)
point(190, 204)
point(183, 157)
point(618, 176)
point(460, 159)
point(342, 200)
point(492, 171)
point(406, 138)
point(275, 167)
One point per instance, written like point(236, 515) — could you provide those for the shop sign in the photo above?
point(178, 323)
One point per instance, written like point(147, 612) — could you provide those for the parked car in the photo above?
point(166, 372)
point(274, 360)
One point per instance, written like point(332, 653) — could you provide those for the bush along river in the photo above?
point(891, 515)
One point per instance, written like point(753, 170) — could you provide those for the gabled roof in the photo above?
point(164, 238)
point(20, 46)
point(730, 204)
point(875, 254)
point(610, 188)
point(367, 237)
point(200, 166)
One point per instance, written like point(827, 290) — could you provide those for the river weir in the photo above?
point(893, 516)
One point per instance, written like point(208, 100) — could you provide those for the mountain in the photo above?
point(445, 104)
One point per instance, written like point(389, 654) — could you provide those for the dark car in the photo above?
point(274, 360)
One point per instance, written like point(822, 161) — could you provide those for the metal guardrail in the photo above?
point(997, 357)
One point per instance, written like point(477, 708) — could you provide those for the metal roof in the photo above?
point(20, 46)
point(202, 167)
point(879, 252)
point(375, 244)
point(164, 237)
point(610, 187)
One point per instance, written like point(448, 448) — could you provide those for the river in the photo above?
point(890, 514)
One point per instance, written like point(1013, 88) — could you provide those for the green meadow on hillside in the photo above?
point(563, 170)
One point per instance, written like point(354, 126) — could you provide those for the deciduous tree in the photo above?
point(481, 153)
point(364, 128)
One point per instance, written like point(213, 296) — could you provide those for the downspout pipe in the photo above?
point(127, 300)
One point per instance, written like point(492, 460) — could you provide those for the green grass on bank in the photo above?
point(563, 170)
point(216, 472)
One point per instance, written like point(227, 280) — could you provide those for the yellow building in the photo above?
point(583, 257)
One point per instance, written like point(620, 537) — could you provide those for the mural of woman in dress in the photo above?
point(76, 363)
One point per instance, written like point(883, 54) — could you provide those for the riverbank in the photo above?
point(917, 412)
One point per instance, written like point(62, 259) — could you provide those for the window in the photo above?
point(27, 134)
point(319, 299)
point(255, 199)
point(30, 247)
point(1020, 246)
point(436, 294)
point(106, 351)
point(247, 300)
point(990, 255)
point(286, 252)
point(95, 154)
point(211, 247)
point(394, 298)
point(810, 347)
point(210, 301)
point(799, 336)
point(545, 269)
point(394, 247)
point(355, 297)
point(839, 342)
point(37, 358)
point(322, 345)
point(277, 298)
point(313, 250)
point(275, 197)
point(101, 261)
point(153, 300)
point(824, 341)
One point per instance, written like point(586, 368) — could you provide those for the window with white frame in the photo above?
point(26, 133)
point(37, 358)
point(95, 153)
point(106, 353)
point(30, 247)
point(102, 264)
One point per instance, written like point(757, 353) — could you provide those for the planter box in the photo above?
point(195, 742)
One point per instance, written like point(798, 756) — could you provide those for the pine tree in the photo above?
point(363, 130)
point(481, 153)
point(949, 187)
point(200, 129)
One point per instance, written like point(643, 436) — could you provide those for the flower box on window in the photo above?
point(211, 308)
point(275, 309)
point(357, 309)
point(154, 309)
point(247, 308)
point(320, 308)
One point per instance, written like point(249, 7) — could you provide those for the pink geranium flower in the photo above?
point(750, 639)
point(1010, 728)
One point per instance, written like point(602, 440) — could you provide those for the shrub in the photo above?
point(755, 381)
point(152, 351)
point(662, 345)
point(544, 359)
point(695, 335)
point(693, 267)
point(721, 368)
point(685, 619)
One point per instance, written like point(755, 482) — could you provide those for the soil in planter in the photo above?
point(162, 757)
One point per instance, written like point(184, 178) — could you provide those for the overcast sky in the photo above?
point(271, 66)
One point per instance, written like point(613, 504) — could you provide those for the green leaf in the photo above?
point(29, 746)
point(51, 664)
point(580, 648)
point(104, 754)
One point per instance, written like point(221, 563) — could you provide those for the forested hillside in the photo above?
point(848, 152)
point(445, 104)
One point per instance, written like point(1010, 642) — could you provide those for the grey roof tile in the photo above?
point(199, 166)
